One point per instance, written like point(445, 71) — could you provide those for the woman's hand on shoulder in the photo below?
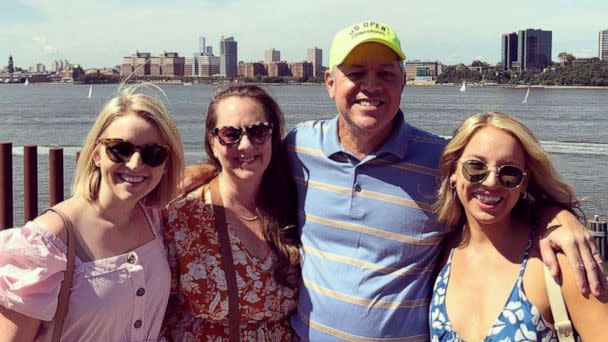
point(197, 175)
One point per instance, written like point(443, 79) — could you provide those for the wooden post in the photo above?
point(599, 230)
point(6, 185)
point(55, 175)
point(30, 182)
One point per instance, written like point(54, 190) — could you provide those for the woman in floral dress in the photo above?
point(244, 130)
point(495, 177)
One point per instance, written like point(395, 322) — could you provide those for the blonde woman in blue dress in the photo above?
point(495, 177)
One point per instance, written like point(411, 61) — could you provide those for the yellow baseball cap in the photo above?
point(364, 32)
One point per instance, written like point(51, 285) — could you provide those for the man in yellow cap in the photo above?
point(366, 181)
point(366, 184)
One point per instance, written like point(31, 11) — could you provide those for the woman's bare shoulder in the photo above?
point(52, 222)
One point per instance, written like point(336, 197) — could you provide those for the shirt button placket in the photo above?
point(356, 192)
point(139, 300)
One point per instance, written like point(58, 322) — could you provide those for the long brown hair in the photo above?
point(276, 199)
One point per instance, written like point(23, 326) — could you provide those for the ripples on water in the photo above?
point(571, 123)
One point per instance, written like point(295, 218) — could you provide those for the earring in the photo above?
point(453, 187)
point(524, 195)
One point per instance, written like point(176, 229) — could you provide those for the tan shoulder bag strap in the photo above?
point(234, 316)
point(562, 324)
point(66, 284)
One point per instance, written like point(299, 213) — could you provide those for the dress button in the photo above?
point(131, 258)
point(137, 324)
point(358, 188)
point(141, 291)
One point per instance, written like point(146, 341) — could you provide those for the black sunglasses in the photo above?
point(258, 133)
point(120, 151)
point(475, 171)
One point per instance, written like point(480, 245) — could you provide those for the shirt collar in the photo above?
point(396, 144)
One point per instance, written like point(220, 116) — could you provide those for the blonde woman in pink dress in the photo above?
point(129, 167)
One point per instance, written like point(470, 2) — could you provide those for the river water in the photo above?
point(572, 124)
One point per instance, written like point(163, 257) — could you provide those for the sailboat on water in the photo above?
point(90, 91)
point(525, 100)
point(27, 82)
point(463, 87)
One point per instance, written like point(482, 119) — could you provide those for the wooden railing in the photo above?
point(30, 181)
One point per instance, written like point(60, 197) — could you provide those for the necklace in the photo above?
point(250, 218)
point(244, 218)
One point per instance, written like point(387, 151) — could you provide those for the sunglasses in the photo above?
point(258, 133)
point(475, 171)
point(120, 151)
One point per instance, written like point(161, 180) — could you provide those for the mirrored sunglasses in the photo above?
point(475, 171)
point(258, 133)
point(120, 151)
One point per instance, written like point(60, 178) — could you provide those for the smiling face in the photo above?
point(367, 89)
point(245, 160)
point(133, 179)
point(489, 202)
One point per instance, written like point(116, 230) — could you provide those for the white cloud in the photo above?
point(45, 46)
point(100, 33)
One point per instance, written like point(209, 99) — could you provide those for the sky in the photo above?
point(98, 33)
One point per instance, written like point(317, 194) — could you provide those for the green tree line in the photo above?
point(592, 73)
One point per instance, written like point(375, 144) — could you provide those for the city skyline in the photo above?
point(36, 31)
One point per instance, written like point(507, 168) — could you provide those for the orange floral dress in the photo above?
point(198, 308)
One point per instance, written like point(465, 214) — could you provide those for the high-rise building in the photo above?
point(278, 69)
point(272, 55)
point(40, 68)
point(209, 50)
point(11, 67)
point(228, 57)
point(208, 65)
point(167, 64)
point(509, 50)
point(253, 69)
point(301, 70)
point(527, 50)
point(58, 65)
point(534, 49)
point(190, 66)
point(202, 44)
point(315, 56)
point(603, 45)
point(137, 64)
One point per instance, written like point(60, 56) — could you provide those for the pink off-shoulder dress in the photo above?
point(121, 298)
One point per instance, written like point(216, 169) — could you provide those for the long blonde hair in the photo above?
point(130, 100)
point(545, 185)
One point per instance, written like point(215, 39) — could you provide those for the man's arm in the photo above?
point(197, 175)
point(562, 231)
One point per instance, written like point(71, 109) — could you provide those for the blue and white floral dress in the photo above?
point(519, 320)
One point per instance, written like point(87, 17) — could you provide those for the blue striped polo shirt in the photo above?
point(370, 238)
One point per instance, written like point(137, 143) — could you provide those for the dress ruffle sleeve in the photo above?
point(32, 267)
